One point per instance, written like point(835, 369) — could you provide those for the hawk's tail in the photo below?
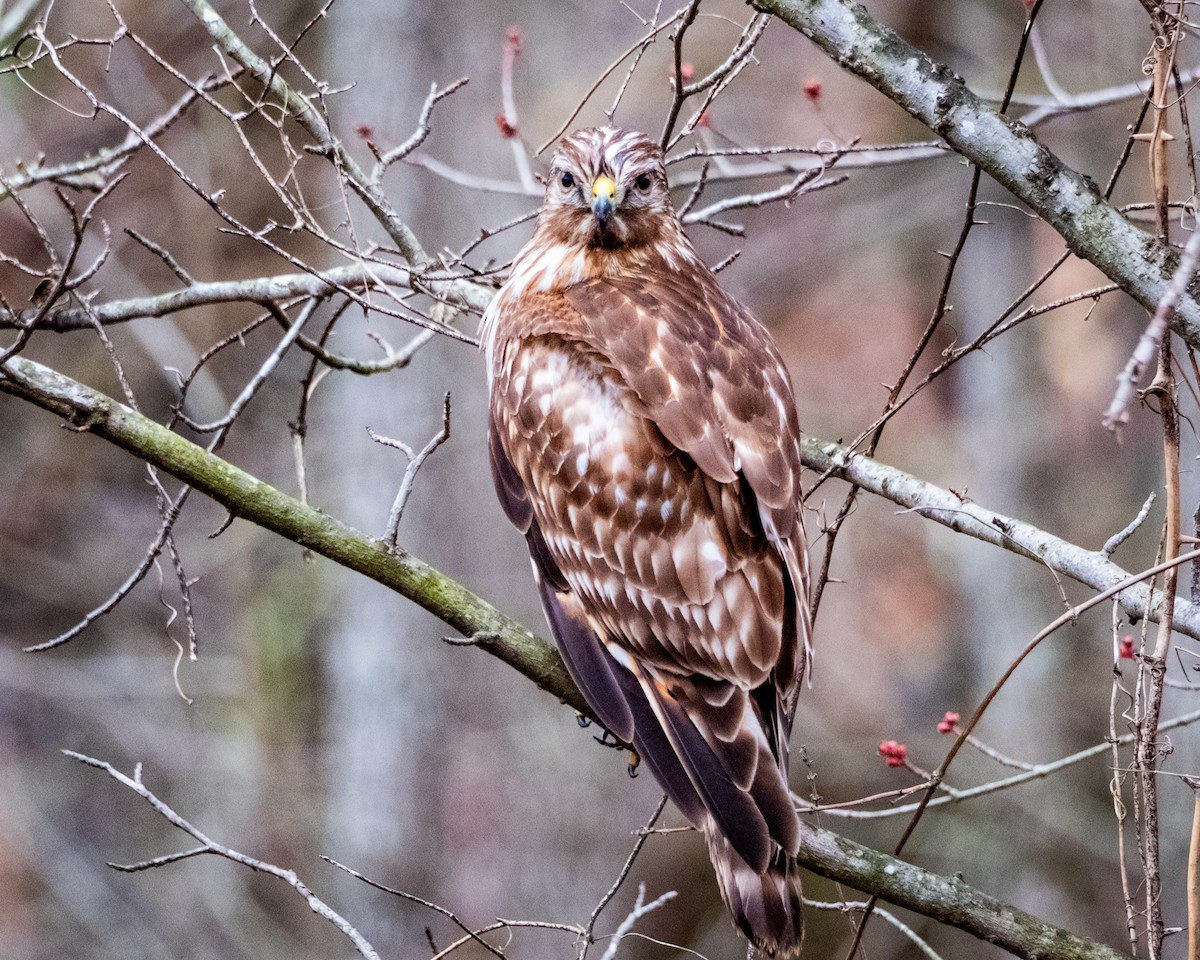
point(767, 907)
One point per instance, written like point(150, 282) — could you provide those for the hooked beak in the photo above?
point(604, 193)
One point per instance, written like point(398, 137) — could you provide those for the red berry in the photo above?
point(812, 88)
point(507, 130)
point(1125, 650)
point(895, 753)
point(948, 722)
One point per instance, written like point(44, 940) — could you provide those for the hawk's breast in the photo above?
point(667, 562)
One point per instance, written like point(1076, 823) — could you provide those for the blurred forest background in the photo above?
point(325, 716)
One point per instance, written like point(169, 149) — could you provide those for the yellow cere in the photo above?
point(604, 187)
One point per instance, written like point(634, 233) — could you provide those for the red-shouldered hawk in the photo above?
point(643, 436)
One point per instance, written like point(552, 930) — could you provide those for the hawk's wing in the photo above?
point(588, 662)
point(609, 688)
point(711, 379)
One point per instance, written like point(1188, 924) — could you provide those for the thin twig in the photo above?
point(164, 255)
point(845, 906)
point(1118, 538)
point(1117, 414)
point(410, 474)
point(640, 909)
point(448, 914)
point(1193, 873)
point(421, 134)
point(642, 47)
point(511, 123)
point(643, 835)
point(677, 85)
point(131, 581)
point(210, 846)
point(264, 371)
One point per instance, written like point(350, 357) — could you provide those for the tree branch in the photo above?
point(247, 497)
point(1004, 148)
point(284, 286)
point(948, 900)
point(155, 444)
point(1090, 567)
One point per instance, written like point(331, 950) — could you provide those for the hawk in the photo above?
point(642, 434)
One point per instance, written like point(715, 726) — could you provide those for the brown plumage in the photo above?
point(643, 436)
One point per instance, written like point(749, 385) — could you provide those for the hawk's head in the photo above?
point(607, 189)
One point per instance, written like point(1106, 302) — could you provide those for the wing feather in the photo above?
point(590, 665)
point(730, 806)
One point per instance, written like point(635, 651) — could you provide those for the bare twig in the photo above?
point(1118, 538)
point(164, 255)
point(1115, 787)
point(1117, 414)
point(1043, 64)
point(419, 135)
point(1193, 873)
point(1152, 670)
point(845, 906)
point(264, 371)
point(410, 474)
point(448, 914)
point(807, 181)
point(129, 583)
point(510, 123)
point(589, 931)
point(210, 846)
point(678, 87)
point(640, 909)
point(642, 46)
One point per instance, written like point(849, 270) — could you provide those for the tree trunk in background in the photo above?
point(390, 735)
point(383, 685)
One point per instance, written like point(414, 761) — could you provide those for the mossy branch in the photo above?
point(247, 497)
point(948, 900)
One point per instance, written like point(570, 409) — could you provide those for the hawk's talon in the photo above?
point(607, 739)
point(635, 761)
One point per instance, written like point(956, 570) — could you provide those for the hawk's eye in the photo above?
point(567, 181)
point(642, 183)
